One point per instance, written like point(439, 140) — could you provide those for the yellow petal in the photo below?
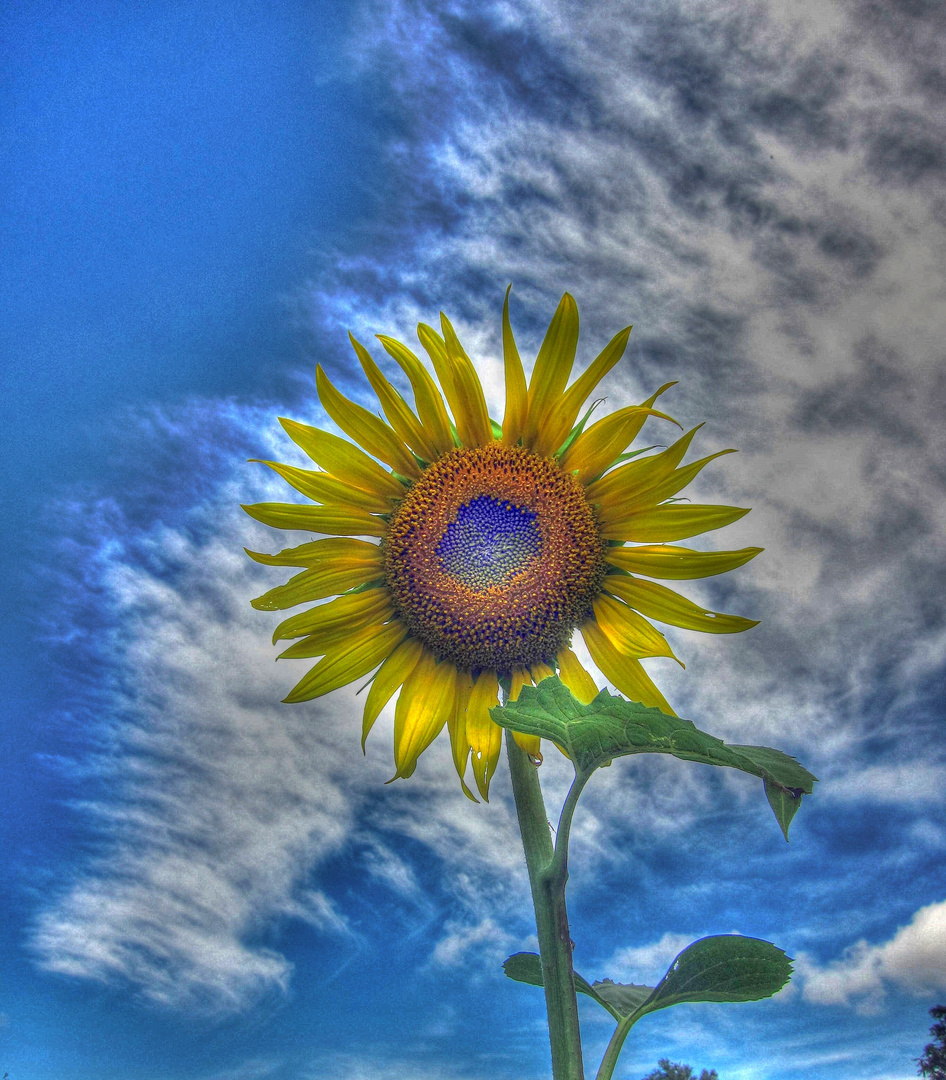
point(575, 677)
point(456, 727)
point(389, 677)
point(564, 412)
point(365, 428)
point(335, 520)
point(627, 631)
point(552, 367)
point(677, 563)
point(663, 604)
point(324, 552)
point(343, 459)
point(627, 674)
point(538, 672)
point(436, 349)
point(352, 612)
point(597, 447)
point(517, 400)
point(616, 509)
point(426, 701)
point(671, 521)
point(473, 424)
point(430, 406)
point(395, 408)
point(532, 744)
point(454, 385)
point(330, 639)
point(320, 487)
point(519, 678)
point(485, 737)
point(362, 651)
point(640, 474)
point(315, 584)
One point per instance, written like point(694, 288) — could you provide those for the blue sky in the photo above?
point(199, 201)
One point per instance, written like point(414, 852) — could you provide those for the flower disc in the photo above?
point(493, 557)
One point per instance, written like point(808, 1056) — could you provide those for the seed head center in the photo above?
point(488, 542)
point(493, 557)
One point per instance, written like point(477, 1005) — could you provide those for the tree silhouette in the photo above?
point(932, 1064)
point(670, 1070)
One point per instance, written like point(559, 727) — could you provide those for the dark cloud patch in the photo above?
point(933, 82)
point(807, 111)
point(895, 16)
point(905, 151)
point(694, 59)
point(707, 348)
point(851, 246)
point(878, 396)
point(519, 61)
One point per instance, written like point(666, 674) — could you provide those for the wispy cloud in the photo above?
point(212, 803)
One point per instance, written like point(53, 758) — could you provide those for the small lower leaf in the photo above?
point(526, 967)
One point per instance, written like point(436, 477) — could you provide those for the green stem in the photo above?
point(558, 869)
point(551, 919)
point(610, 1059)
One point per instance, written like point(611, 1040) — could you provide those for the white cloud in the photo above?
point(384, 1067)
point(490, 942)
point(647, 963)
point(912, 782)
point(914, 959)
point(217, 798)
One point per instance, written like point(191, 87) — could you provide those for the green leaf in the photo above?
point(784, 804)
point(727, 967)
point(609, 727)
point(526, 967)
point(625, 998)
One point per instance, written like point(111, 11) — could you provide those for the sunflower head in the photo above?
point(462, 554)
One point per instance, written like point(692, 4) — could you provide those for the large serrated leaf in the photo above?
point(620, 1000)
point(609, 727)
point(727, 967)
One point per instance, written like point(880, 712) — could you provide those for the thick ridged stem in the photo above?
point(551, 919)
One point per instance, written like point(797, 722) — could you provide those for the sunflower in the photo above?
point(463, 554)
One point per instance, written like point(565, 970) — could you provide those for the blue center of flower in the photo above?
point(488, 542)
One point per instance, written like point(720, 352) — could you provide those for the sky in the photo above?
point(199, 201)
